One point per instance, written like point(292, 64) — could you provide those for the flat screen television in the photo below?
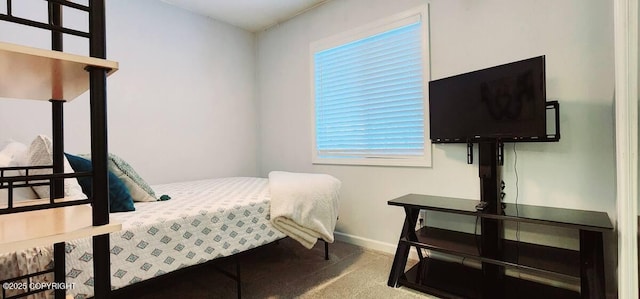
point(505, 102)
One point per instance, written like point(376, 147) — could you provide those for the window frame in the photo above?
point(389, 23)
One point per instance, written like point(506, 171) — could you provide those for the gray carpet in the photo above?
point(287, 270)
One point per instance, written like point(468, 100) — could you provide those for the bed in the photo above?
point(204, 220)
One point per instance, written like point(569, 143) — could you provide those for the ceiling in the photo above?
point(251, 15)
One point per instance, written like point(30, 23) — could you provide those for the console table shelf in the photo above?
point(453, 280)
point(528, 257)
point(442, 279)
point(568, 218)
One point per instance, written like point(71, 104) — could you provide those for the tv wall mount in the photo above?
point(553, 137)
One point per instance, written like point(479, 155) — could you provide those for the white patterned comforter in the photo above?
point(202, 221)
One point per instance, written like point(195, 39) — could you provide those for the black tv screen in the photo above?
point(505, 102)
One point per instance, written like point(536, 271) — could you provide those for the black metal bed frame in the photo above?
point(236, 276)
point(99, 200)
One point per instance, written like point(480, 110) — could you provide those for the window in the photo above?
point(369, 88)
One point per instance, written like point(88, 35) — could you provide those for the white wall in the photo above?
point(578, 172)
point(182, 104)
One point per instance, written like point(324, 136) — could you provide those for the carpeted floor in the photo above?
point(286, 270)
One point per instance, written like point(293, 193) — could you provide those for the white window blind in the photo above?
point(369, 96)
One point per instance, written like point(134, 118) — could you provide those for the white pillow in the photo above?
point(41, 153)
point(16, 151)
point(10, 156)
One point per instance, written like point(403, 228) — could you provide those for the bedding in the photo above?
point(12, 155)
point(138, 187)
point(28, 261)
point(304, 206)
point(120, 199)
point(41, 153)
point(203, 220)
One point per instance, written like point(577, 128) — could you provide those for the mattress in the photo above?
point(203, 220)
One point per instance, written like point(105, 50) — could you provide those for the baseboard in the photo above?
point(372, 244)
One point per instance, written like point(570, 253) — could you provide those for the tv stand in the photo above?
point(454, 280)
point(492, 250)
point(492, 231)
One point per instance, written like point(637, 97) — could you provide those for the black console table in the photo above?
point(454, 280)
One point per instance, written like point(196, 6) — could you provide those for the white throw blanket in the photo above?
point(304, 206)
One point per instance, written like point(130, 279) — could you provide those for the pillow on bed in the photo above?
point(138, 188)
point(10, 156)
point(16, 152)
point(41, 153)
point(119, 198)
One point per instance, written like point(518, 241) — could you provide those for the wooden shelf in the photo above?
point(38, 74)
point(45, 227)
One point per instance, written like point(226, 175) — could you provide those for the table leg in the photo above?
point(591, 265)
point(402, 252)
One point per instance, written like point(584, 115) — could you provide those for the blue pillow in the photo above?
point(119, 198)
